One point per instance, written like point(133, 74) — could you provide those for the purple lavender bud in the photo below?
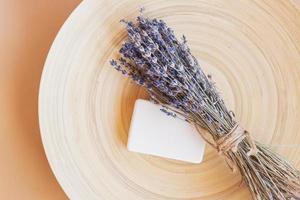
point(154, 58)
point(113, 62)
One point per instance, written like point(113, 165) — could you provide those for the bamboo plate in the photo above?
point(252, 50)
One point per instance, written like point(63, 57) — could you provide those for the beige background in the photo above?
point(28, 28)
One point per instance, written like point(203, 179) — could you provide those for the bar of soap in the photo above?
point(154, 132)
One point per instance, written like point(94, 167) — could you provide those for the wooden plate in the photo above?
point(252, 50)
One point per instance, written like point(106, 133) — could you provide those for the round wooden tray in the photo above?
point(252, 50)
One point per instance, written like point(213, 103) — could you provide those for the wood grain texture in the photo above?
point(252, 50)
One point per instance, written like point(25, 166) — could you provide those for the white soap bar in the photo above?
point(154, 132)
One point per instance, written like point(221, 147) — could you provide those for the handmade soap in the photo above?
point(154, 132)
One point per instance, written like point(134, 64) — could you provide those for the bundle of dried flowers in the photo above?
point(154, 58)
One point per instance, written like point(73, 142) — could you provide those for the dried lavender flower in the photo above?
point(154, 58)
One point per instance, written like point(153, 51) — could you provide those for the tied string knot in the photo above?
point(230, 142)
point(233, 138)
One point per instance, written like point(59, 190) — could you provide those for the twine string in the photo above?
point(230, 142)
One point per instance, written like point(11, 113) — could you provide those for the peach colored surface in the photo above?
point(27, 31)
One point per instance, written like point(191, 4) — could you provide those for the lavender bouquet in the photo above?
point(154, 58)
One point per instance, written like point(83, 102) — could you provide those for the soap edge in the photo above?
point(129, 147)
point(138, 101)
